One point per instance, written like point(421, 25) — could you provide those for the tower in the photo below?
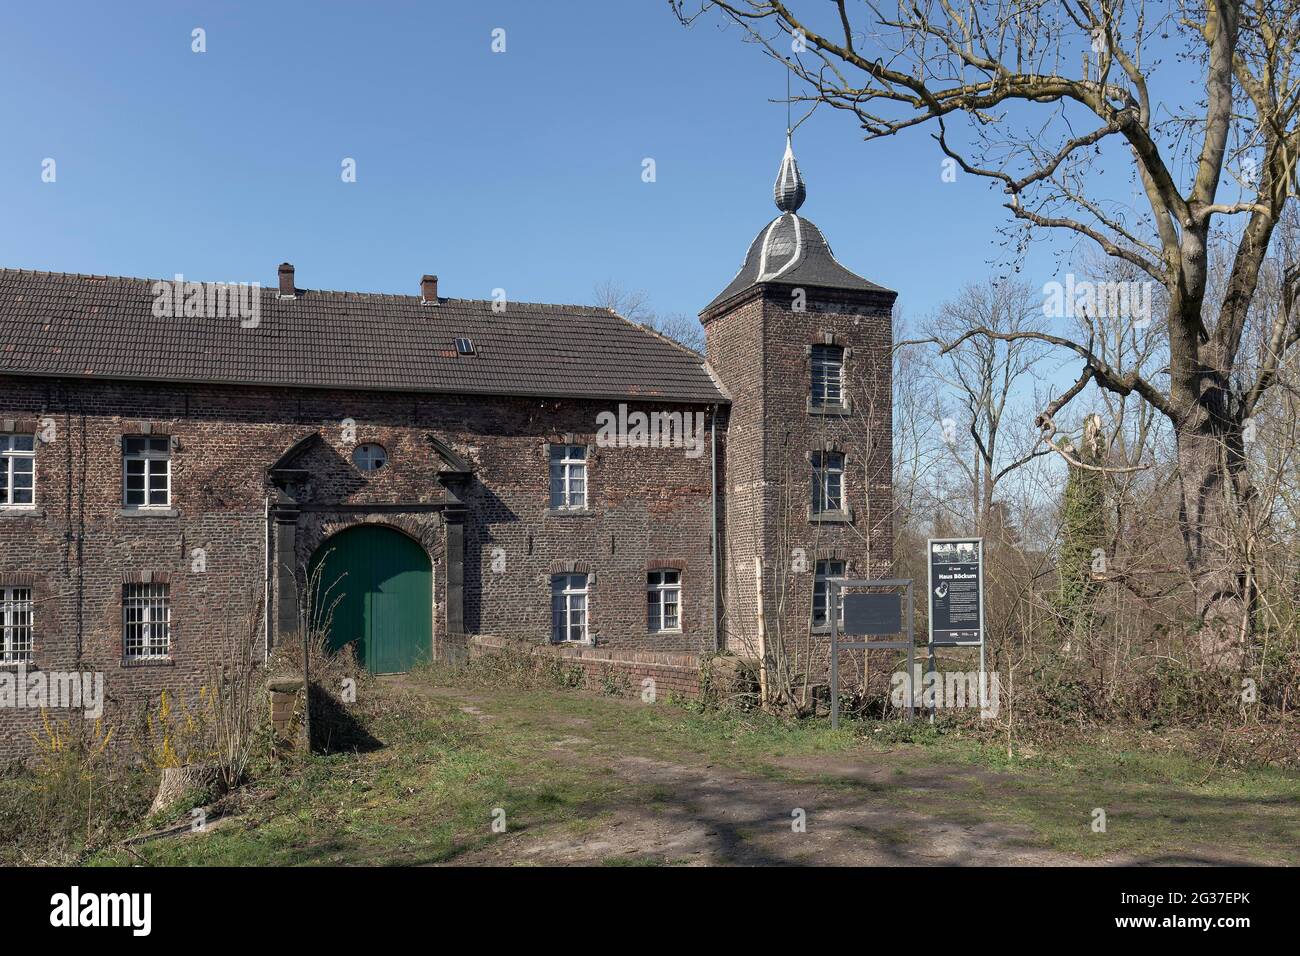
point(803, 347)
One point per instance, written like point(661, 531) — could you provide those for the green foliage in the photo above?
point(1062, 689)
point(615, 683)
point(75, 798)
point(1174, 693)
point(1083, 530)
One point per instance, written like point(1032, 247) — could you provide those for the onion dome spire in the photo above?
point(789, 191)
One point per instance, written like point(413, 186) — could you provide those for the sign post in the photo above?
point(956, 586)
point(870, 613)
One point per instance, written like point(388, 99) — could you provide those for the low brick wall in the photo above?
point(672, 672)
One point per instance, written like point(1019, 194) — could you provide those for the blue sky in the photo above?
point(519, 170)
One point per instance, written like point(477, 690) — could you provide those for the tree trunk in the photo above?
point(1213, 517)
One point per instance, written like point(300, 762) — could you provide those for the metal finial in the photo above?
point(789, 191)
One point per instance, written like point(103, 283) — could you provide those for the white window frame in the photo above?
point(9, 459)
point(824, 571)
point(827, 376)
point(364, 457)
point(17, 625)
point(568, 466)
point(153, 626)
point(663, 587)
point(154, 462)
point(566, 590)
point(825, 475)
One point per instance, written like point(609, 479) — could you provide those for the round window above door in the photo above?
point(370, 457)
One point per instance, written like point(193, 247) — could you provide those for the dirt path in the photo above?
point(706, 814)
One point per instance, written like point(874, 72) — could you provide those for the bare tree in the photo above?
point(1053, 90)
point(988, 378)
point(635, 306)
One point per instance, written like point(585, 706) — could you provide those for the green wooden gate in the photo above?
point(384, 585)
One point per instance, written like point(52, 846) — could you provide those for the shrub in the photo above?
point(75, 797)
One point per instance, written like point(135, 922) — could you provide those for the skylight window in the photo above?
point(464, 347)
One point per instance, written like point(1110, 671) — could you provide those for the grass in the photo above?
point(548, 755)
point(427, 796)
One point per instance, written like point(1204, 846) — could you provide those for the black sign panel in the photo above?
point(956, 591)
point(867, 613)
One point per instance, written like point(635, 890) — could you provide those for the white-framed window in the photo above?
point(569, 608)
point(16, 624)
point(826, 571)
point(146, 621)
point(827, 376)
point(827, 482)
point(568, 477)
point(664, 600)
point(17, 471)
point(146, 471)
point(369, 457)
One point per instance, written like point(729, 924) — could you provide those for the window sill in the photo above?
point(666, 631)
point(830, 517)
point(148, 662)
point(148, 513)
point(834, 410)
point(28, 665)
point(568, 513)
point(21, 511)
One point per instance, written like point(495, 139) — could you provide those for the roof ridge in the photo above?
point(104, 327)
point(391, 296)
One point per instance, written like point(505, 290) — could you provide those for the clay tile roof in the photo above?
point(58, 324)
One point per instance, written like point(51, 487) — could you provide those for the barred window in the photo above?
point(568, 476)
point(827, 482)
point(146, 471)
point(17, 470)
point(826, 571)
point(16, 624)
point(664, 596)
point(569, 608)
point(827, 376)
point(146, 621)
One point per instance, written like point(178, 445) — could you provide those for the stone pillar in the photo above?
point(286, 581)
point(285, 694)
point(454, 519)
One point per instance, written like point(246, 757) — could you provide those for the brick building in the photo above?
point(175, 456)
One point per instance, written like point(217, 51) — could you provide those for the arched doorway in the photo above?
point(383, 583)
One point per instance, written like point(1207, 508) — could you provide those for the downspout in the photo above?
point(266, 578)
point(713, 503)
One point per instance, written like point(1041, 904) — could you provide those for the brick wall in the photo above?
point(647, 507)
point(672, 672)
point(759, 346)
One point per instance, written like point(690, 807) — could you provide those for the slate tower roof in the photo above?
point(791, 249)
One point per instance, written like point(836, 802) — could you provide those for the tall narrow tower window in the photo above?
point(827, 482)
point(827, 376)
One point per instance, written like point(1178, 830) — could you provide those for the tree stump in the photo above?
point(178, 782)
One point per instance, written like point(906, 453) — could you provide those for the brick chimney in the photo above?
point(429, 290)
point(286, 280)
